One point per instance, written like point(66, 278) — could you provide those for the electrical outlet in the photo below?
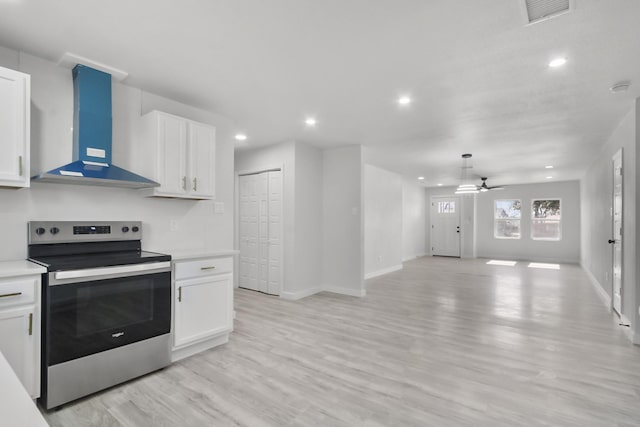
point(173, 225)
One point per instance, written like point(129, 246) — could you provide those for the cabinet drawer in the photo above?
point(203, 267)
point(18, 291)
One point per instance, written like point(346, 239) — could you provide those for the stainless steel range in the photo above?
point(106, 306)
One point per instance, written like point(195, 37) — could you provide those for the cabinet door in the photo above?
point(202, 162)
point(14, 128)
point(172, 155)
point(203, 308)
point(18, 344)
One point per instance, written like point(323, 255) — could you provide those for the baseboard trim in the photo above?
point(383, 271)
point(191, 349)
point(604, 296)
point(412, 257)
point(345, 291)
point(294, 296)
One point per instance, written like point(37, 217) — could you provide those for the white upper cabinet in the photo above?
point(15, 97)
point(179, 154)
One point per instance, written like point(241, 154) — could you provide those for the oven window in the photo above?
point(103, 308)
point(90, 317)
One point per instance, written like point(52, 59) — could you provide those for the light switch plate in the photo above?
point(218, 207)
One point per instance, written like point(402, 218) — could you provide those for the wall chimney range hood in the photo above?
point(92, 137)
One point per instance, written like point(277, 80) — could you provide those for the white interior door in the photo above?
point(260, 232)
point(248, 232)
point(616, 241)
point(445, 226)
point(263, 231)
point(275, 232)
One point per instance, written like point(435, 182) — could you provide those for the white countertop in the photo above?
point(20, 268)
point(182, 255)
point(16, 407)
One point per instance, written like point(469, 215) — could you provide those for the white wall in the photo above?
point(596, 187)
point(198, 228)
point(567, 250)
point(308, 218)
point(382, 221)
point(414, 203)
point(343, 243)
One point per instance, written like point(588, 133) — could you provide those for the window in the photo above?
point(447, 207)
point(506, 223)
point(545, 219)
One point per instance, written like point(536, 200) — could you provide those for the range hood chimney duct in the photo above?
point(92, 137)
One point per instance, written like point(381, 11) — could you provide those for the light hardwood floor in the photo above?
point(444, 342)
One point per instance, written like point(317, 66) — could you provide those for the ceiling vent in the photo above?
point(540, 10)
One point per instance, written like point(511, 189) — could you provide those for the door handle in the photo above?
point(611, 241)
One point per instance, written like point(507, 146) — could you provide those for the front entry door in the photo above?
point(445, 226)
point(617, 232)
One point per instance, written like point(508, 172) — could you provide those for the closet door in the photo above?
point(248, 232)
point(275, 233)
point(260, 232)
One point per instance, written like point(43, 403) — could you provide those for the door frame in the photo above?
point(616, 155)
point(459, 211)
point(236, 220)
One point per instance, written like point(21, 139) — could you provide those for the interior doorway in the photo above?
point(260, 231)
point(616, 240)
point(445, 226)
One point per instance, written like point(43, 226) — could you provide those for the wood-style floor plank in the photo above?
point(444, 342)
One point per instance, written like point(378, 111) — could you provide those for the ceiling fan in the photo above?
point(472, 188)
point(485, 187)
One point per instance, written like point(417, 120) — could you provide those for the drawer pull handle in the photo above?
point(180, 294)
point(20, 165)
point(30, 323)
point(15, 294)
point(208, 268)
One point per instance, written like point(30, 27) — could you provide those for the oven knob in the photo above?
point(135, 229)
point(125, 229)
point(40, 231)
point(54, 230)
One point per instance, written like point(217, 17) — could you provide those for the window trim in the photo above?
point(495, 220)
point(533, 219)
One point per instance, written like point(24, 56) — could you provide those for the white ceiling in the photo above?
point(478, 75)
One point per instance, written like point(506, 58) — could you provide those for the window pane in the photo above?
point(548, 209)
point(507, 229)
point(507, 209)
point(447, 207)
point(545, 229)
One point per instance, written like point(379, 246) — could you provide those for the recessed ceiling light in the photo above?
point(557, 62)
point(241, 137)
point(548, 167)
point(439, 185)
point(404, 100)
point(549, 177)
point(310, 121)
point(421, 178)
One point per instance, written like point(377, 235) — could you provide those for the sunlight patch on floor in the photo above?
point(544, 265)
point(500, 262)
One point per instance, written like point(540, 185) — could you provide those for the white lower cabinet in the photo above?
point(203, 304)
point(20, 329)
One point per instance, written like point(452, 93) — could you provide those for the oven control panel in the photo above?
point(41, 232)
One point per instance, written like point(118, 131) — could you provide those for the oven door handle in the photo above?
point(108, 271)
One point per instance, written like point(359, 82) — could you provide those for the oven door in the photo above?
point(93, 310)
